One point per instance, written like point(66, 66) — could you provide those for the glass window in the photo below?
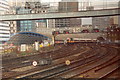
point(25, 24)
point(21, 25)
point(25, 21)
point(21, 21)
point(29, 24)
point(29, 21)
point(22, 29)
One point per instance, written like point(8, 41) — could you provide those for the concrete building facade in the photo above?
point(13, 27)
point(68, 6)
point(32, 25)
point(101, 22)
point(119, 16)
point(4, 26)
point(50, 23)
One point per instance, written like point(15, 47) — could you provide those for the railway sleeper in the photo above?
point(86, 62)
point(105, 65)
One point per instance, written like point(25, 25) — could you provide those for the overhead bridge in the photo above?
point(57, 15)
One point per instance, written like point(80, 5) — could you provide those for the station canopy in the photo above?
point(26, 38)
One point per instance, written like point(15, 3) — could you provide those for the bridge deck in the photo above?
point(92, 13)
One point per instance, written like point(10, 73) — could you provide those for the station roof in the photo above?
point(26, 38)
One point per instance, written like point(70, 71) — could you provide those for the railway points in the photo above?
point(86, 55)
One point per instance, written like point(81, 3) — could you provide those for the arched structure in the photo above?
point(26, 38)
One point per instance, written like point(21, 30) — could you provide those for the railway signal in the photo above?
point(34, 63)
point(67, 62)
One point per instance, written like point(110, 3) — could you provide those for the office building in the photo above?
point(68, 6)
point(33, 25)
point(115, 20)
point(101, 22)
point(26, 25)
point(119, 13)
point(20, 2)
point(13, 27)
point(4, 26)
point(50, 23)
point(87, 21)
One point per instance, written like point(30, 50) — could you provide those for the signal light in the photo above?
point(97, 31)
point(67, 32)
point(56, 32)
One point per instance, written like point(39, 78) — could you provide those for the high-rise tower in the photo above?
point(67, 6)
point(4, 26)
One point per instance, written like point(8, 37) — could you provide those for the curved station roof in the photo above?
point(26, 38)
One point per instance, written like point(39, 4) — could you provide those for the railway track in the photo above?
point(81, 64)
point(102, 70)
point(25, 61)
point(78, 70)
point(57, 63)
point(64, 67)
point(62, 72)
point(114, 74)
point(62, 56)
point(112, 68)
